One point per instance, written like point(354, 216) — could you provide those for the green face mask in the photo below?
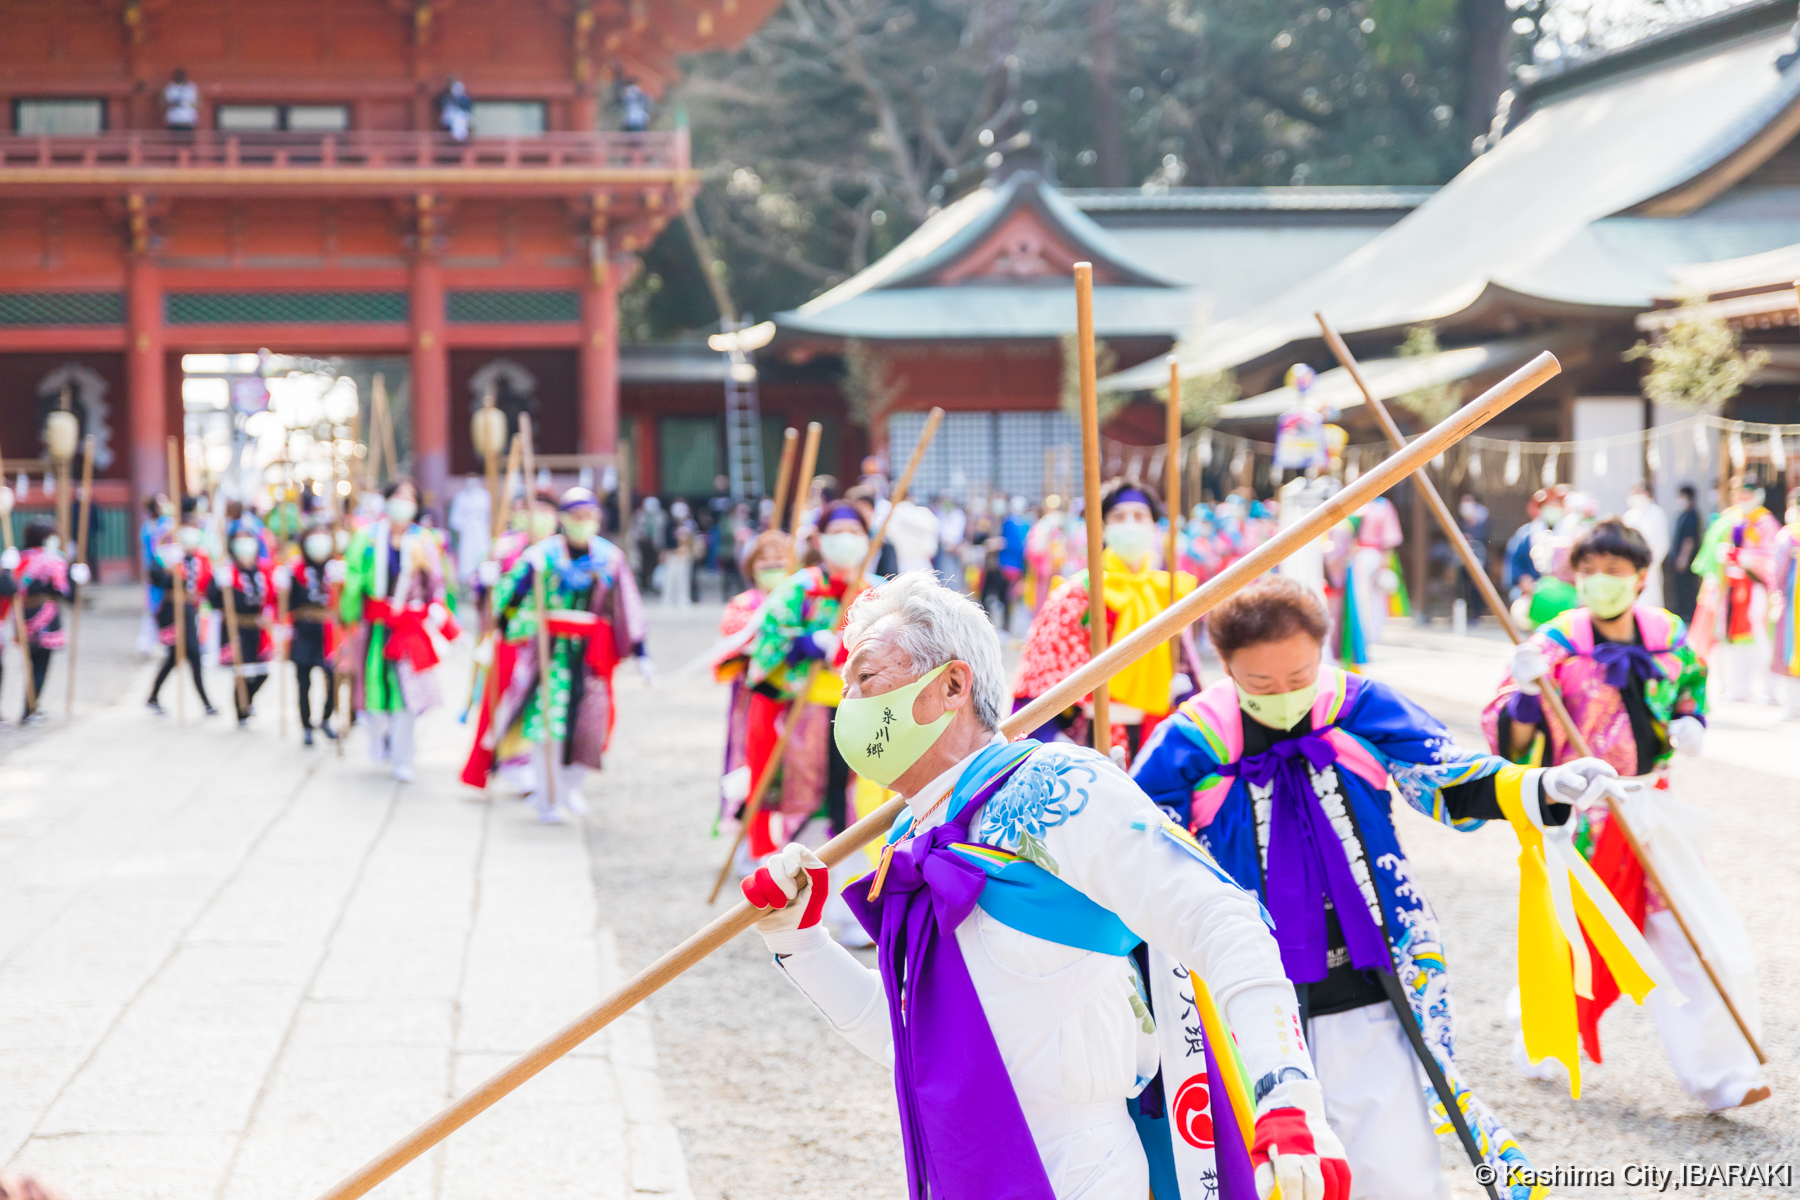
point(543, 524)
point(580, 533)
point(1606, 596)
point(769, 578)
point(879, 738)
point(1282, 710)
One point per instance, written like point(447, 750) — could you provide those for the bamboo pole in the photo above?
point(228, 602)
point(753, 805)
point(81, 553)
point(178, 580)
point(1090, 471)
point(529, 458)
point(809, 459)
point(387, 428)
point(1079, 682)
point(62, 483)
point(539, 590)
point(1172, 465)
point(789, 441)
point(491, 468)
point(1547, 690)
point(283, 636)
point(18, 607)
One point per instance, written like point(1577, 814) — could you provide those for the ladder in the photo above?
point(743, 422)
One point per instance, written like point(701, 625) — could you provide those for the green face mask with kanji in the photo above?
point(877, 734)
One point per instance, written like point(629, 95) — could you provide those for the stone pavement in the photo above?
point(231, 967)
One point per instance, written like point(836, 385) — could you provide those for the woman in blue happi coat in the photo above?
point(1294, 803)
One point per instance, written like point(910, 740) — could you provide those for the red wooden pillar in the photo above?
point(430, 381)
point(600, 363)
point(144, 375)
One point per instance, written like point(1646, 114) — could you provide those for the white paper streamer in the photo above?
point(1550, 467)
point(1511, 475)
point(1600, 463)
point(1737, 447)
point(1777, 453)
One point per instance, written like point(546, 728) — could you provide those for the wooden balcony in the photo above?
point(208, 162)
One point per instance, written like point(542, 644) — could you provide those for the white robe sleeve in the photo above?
point(1108, 841)
point(845, 992)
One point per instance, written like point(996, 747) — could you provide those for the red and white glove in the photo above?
point(779, 881)
point(1296, 1150)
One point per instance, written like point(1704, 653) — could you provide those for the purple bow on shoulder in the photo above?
point(1623, 663)
point(1308, 863)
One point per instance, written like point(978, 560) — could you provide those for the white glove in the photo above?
point(1686, 734)
point(9, 559)
point(1296, 1150)
point(783, 876)
point(827, 643)
point(646, 668)
point(170, 554)
point(79, 574)
point(281, 634)
point(284, 578)
point(1527, 666)
point(1180, 686)
point(335, 571)
point(1579, 783)
point(1386, 582)
point(734, 786)
point(487, 572)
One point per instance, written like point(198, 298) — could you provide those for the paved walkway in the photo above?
point(233, 967)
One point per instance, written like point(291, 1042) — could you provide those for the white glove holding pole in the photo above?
point(487, 572)
point(1582, 782)
point(9, 559)
point(284, 578)
point(335, 571)
point(1527, 666)
point(782, 877)
point(1687, 734)
point(79, 574)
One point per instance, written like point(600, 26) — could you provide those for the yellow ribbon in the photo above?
point(1136, 597)
point(1560, 897)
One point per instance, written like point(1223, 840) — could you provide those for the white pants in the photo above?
point(1711, 1059)
point(678, 579)
point(1789, 688)
point(1375, 1104)
point(391, 737)
point(1745, 668)
point(567, 777)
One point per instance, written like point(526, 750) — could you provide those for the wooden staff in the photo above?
point(282, 636)
point(1172, 464)
point(1078, 684)
point(1090, 470)
point(380, 403)
point(228, 597)
point(789, 442)
point(178, 580)
point(24, 634)
point(809, 459)
point(81, 551)
point(539, 590)
point(491, 466)
point(1547, 690)
point(754, 804)
point(62, 482)
point(514, 470)
point(529, 453)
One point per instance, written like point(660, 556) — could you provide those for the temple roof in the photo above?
point(1618, 170)
point(996, 264)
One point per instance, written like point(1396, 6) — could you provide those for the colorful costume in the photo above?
point(596, 619)
point(1731, 620)
point(1302, 817)
point(1369, 579)
point(196, 574)
point(1053, 1041)
point(1623, 697)
point(736, 627)
point(40, 583)
point(1784, 597)
point(393, 603)
point(313, 613)
point(1057, 643)
point(253, 600)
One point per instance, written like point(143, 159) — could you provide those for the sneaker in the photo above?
point(156, 708)
point(326, 729)
point(306, 737)
point(211, 711)
point(244, 722)
point(404, 773)
point(549, 817)
point(575, 804)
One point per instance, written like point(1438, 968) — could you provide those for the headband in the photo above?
point(843, 512)
point(577, 497)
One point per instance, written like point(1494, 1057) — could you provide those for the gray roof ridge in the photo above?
point(1305, 197)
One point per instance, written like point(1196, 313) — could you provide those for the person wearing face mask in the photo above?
point(41, 579)
point(768, 559)
point(1637, 691)
point(248, 585)
point(1731, 620)
point(1282, 770)
point(1145, 692)
point(1037, 919)
point(180, 553)
point(1784, 594)
point(311, 586)
point(393, 605)
point(796, 649)
point(595, 619)
point(155, 529)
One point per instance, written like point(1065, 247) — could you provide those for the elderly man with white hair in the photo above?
point(1026, 1046)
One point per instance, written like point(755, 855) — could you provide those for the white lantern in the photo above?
point(61, 434)
point(487, 430)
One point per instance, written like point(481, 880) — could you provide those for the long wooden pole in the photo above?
point(1172, 466)
point(1090, 471)
point(228, 595)
point(1547, 690)
point(178, 580)
point(81, 556)
point(283, 635)
point(789, 442)
point(1078, 683)
point(62, 484)
point(754, 804)
point(387, 428)
point(809, 459)
point(539, 592)
point(18, 607)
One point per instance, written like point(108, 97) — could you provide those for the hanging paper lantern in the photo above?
point(1550, 466)
point(1511, 473)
